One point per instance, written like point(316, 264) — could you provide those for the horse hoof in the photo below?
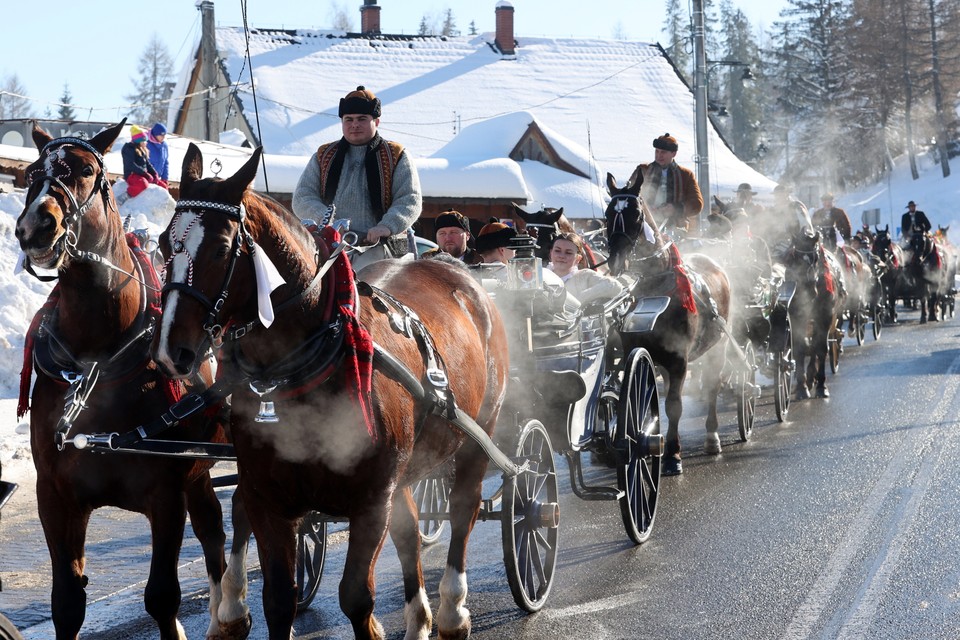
point(237, 629)
point(803, 393)
point(822, 392)
point(671, 467)
point(923, 320)
point(711, 444)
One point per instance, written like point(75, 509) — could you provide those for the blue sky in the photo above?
point(94, 47)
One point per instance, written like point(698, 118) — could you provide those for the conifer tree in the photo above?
point(152, 89)
point(66, 112)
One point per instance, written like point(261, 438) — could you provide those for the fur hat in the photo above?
point(137, 134)
point(666, 142)
point(158, 130)
point(451, 218)
point(745, 186)
point(494, 235)
point(361, 101)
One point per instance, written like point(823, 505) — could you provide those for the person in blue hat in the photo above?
point(159, 151)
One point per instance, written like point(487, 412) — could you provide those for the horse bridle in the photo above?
point(619, 202)
point(212, 326)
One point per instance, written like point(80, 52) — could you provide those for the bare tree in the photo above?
point(13, 103)
point(340, 18)
point(150, 98)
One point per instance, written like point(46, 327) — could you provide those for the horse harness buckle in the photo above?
point(81, 386)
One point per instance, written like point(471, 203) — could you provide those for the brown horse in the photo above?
point(91, 347)
point(892, 270)
point(349, 442)
point(691, 326)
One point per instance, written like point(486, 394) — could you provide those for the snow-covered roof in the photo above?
point(609, 98)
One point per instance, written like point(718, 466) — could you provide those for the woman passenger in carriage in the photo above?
point(586, 285)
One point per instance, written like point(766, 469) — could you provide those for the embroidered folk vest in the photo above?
point(380, 161)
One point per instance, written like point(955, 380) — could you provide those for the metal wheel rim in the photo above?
point(747, 402)
point(311, 553)
point(432, 495)
point(638, 474)
point(782, 390)
point(529, 548)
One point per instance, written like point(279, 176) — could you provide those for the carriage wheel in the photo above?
point(877, 321)
point(833, 348)
point(783, 372)
point(639, 445)
point(432, 495)
point(311, 552)
point(530, 516)
point(7, 630)
point(747, 400)
point(860, 325)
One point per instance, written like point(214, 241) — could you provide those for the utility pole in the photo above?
point(208, 70)
point(700, 104)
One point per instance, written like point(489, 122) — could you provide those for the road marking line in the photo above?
point(821, 595)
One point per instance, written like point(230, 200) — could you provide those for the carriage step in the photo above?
point(598, 493)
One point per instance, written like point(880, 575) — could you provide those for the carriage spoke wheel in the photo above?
point(747, 400)
point(833, 347)
point(860, 325)
point(877, 312)
point(432, 495)
point(639, 445)
point(311, 553)
point(783, 370)
point(530, 516)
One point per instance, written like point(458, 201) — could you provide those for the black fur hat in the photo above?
point(360, 101)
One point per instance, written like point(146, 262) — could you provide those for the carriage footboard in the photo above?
point(390, 366)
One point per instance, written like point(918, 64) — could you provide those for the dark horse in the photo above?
point(350, 441)
point(925, 273)
point(856, 273)
point(815, 308)
point(91, 347)
point(892, 274)
point(545, 225)
point(692, 324)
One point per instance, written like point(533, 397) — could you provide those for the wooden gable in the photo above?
point(533, 145)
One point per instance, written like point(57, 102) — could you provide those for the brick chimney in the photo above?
point(369, 17)
point(504, 39)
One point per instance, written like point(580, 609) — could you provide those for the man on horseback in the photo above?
point(670, 191)
point(371, 180)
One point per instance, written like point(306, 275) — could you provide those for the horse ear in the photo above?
point(104, 140)
point(519, 212)
point(40, 137)
point(192, 167)
point(555, 215)
point(611, 183)
point(245, 176)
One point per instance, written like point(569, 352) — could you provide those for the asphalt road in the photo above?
point(839, 523)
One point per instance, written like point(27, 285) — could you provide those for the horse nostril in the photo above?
point(183, 362)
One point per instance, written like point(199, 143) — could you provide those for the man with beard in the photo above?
point(453, 234)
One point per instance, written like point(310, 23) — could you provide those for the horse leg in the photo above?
point(65, 528)
point(676, 375)
point(168, 516)
point(405, 533)
point(801, 348)
point(713, 363)
point(232, 612)
point(206, 518)
point(823, 328)
point(453, 619)
point(368, 530)
point(277, 548)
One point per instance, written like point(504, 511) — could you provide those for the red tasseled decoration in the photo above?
point(828, 283)
point(23, 404)
point(684, 290)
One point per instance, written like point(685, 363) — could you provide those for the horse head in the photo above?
point(626, 225)
point(921, 247)
point(68, 201)
point(544, 225)
point(215, 273)
point(806, 256)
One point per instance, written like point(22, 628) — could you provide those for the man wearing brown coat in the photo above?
point(670, 191)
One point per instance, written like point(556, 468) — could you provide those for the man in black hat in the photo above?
point(745, 201)
point(370, 180)
point(913, 221)
point(670, 191)
point(453, 235)
point(830, 217)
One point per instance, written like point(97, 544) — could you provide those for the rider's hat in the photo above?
point(827, 196)
point(451, 218)
point(361, 101)
point(911, 204)
point(745, 186)
point(666, 142)
point(494, 235)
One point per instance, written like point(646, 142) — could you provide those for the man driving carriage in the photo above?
point(371, 181)
point(913, 221)
point(832, 220)
point(670, 191)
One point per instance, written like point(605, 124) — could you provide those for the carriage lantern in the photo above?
point(526, 269)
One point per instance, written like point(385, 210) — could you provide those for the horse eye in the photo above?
point(87, 171)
